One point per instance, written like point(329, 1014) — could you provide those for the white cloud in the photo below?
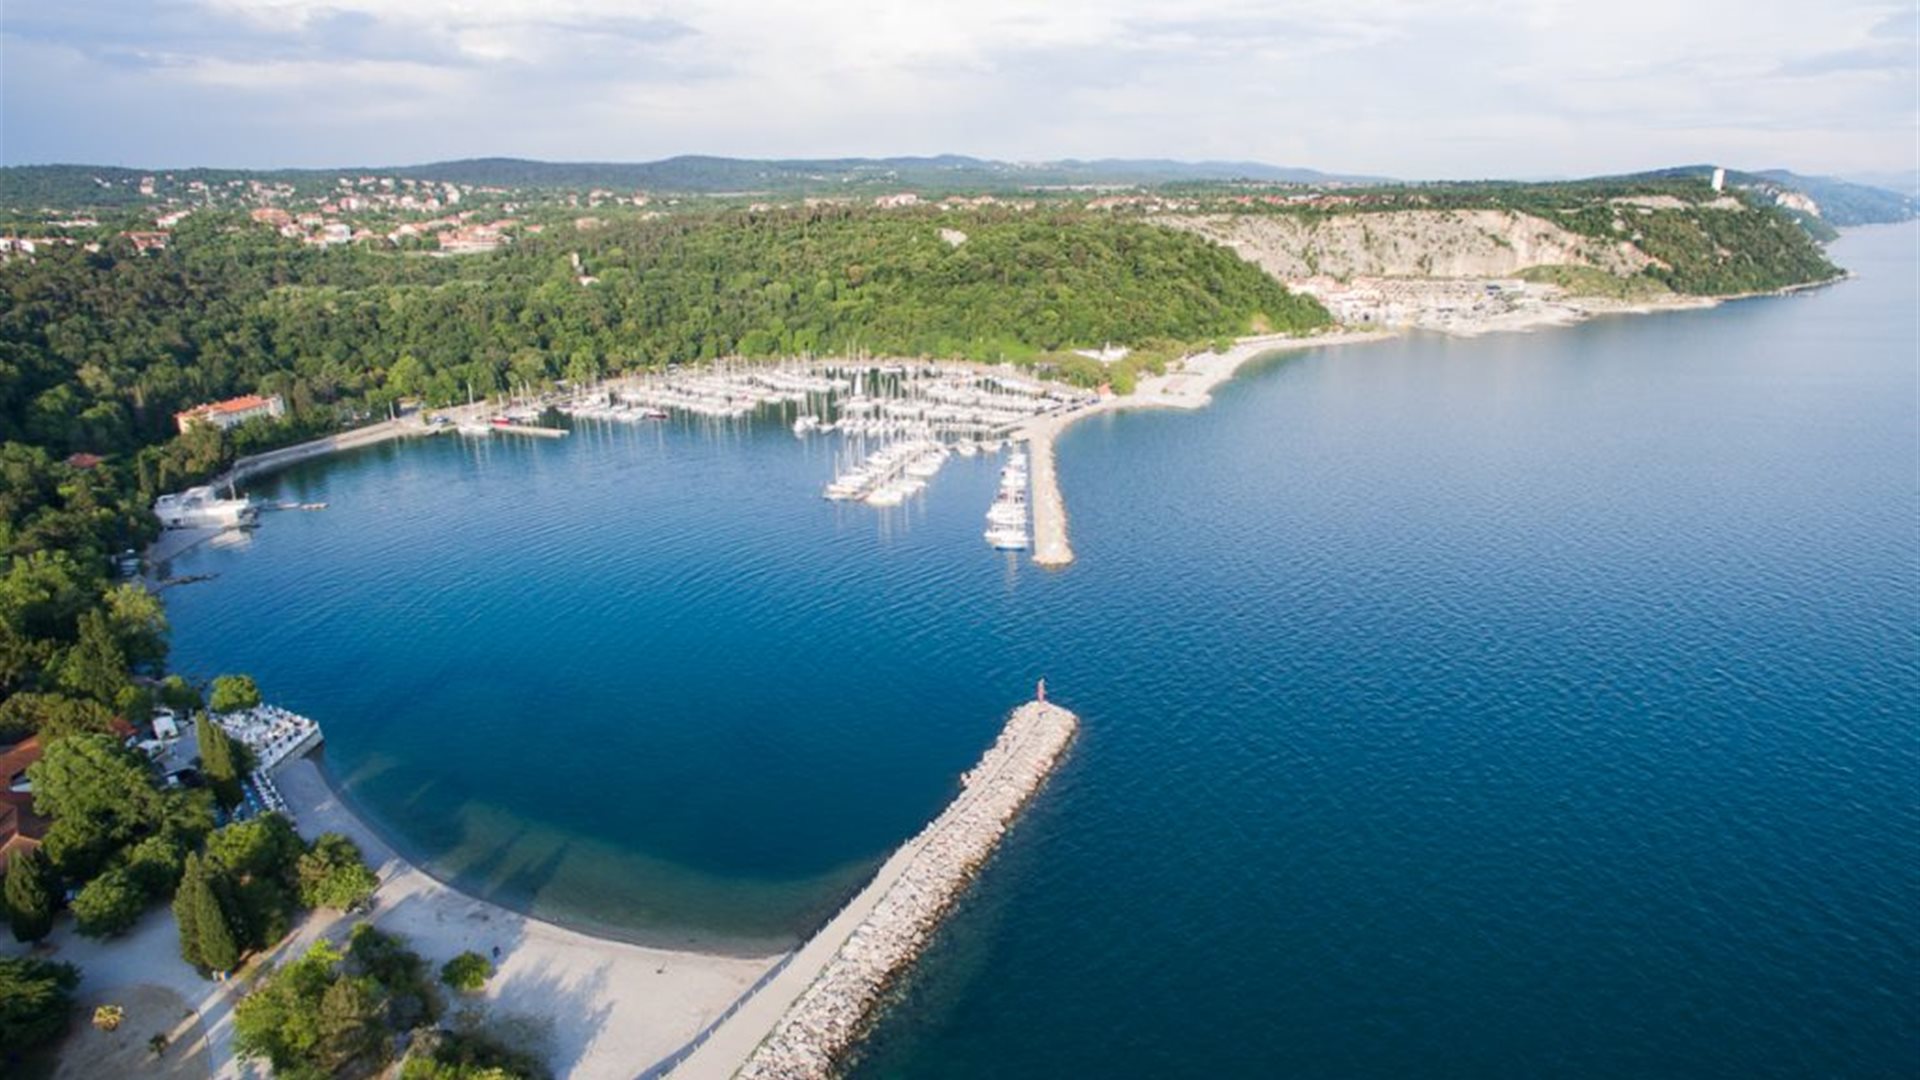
point(1478, 87)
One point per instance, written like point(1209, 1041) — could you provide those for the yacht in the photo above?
point(1006, 538)
point(202, 508)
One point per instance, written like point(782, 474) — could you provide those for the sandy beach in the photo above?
point(604, 1008)
point(589, 1007)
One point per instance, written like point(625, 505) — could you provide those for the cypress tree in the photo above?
point(31, 892)
point(193, 876)
point(217, 761)
point(206, 934)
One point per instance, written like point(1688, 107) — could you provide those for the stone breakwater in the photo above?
point(826, 1021)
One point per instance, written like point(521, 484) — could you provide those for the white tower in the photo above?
point(1719, 179)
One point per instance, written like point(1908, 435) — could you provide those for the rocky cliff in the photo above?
point(1410, 243)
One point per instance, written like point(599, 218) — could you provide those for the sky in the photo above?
point(1419, 90)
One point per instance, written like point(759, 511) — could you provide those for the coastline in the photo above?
point(1189, 387)
point(767, 949)
point(592, 1006)
point(608, 1008)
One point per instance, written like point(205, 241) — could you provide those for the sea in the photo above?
point(1539, 704)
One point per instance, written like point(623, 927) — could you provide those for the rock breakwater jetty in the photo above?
point(805, 1019)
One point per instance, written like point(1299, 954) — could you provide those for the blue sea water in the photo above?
point(1535, 705)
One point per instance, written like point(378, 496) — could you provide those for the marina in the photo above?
point(897, 423)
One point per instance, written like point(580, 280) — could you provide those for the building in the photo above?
point(231, 412)
point(20, 828)
point(144, 242)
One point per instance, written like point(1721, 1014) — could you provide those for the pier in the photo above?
point(804, 1019)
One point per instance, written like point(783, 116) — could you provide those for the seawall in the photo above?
point(805, 1019)
point(256, 464)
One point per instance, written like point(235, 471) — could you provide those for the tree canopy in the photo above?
point(36, 1002)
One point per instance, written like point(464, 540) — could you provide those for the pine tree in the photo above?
point(217, 761)
point(31, 891)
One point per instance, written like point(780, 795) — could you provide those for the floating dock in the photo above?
point(802, 1021)
point(530, 429)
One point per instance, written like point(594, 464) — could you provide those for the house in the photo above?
point(144, 242)
point(231, 413)
point(20, 828)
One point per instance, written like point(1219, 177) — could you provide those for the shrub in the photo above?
point(467, 972)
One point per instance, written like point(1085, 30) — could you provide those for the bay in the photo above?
point(1531, 704)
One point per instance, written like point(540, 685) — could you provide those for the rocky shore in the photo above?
point(820, 1027)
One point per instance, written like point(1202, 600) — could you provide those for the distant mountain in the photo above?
point(710, 175)
point(1905, 181)
point(91, 185)
point(1841, 202)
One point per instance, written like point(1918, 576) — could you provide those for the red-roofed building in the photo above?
point(83, 462)
point(144, 242)
point(20, 828)
point(231, 412)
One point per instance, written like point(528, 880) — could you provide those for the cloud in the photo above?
point(1476, 87)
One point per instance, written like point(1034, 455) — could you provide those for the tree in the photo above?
point(259, 859)
point(155, 863)
point(467, 972)
point(51, 716)
point(218, 760)
point(36, 1000)
point(278, 1020)
point(206, 928)
point(96, 666)
point(138, 622)
point(350, 1023)
point(232, 693)
point(109, 905)
point(32, 891)
point(333, 874)
point(467, 1052)
point(179, 695)
point(100, 796)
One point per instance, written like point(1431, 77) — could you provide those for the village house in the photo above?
point(144, 242)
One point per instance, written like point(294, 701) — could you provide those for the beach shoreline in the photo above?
point(609, 1008)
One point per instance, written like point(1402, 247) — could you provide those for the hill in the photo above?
point(1839, 203)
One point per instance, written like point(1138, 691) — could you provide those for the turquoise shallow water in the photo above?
point(1529, 705)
